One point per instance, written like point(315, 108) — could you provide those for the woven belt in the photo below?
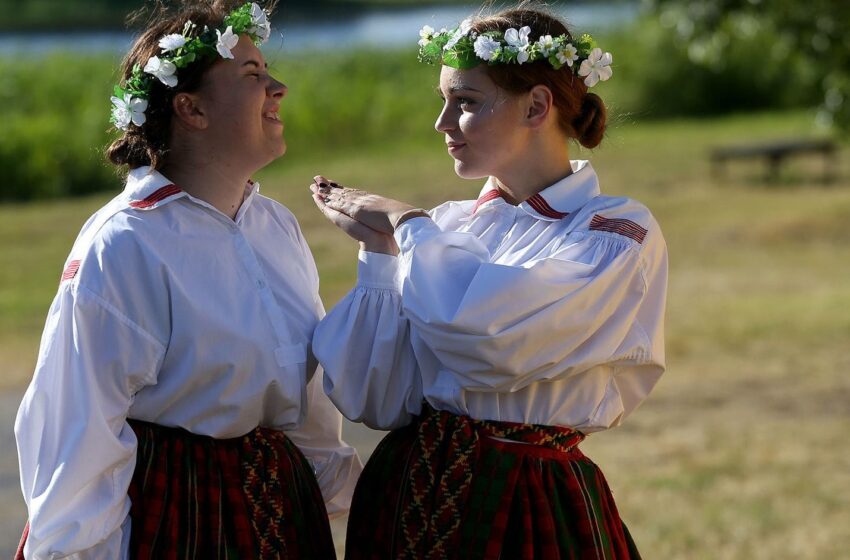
point(441, 468)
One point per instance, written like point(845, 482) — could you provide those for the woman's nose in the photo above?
point(278, 89)
point(445, 120)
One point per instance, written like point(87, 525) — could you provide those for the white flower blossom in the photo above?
point(172, 42)
point(164, 70)
point(263, 32)
point(426, 34)
point(596, 68)
point(567, 55)
point(461, 32)
point(546, 45)
point(262, 26)
point(486, 47)
point(258, 15)
point(127, 110)
point(518, 41)
point(226, 41)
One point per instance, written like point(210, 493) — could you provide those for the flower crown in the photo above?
point(463, 48)
point(179, 50)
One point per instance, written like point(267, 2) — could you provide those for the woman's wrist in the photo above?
point(410, 214)
point(386, 246)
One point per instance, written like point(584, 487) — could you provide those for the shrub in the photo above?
point(662, 76)
point(55, 122)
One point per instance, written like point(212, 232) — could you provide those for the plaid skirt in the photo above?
point(198, 497)
point(450, 486)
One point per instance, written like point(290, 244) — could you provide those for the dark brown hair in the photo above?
point(148, 144)
point(581, 115)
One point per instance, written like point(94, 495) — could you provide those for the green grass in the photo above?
point(741, 451)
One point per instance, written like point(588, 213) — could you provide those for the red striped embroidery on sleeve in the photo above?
point(619, 226)
point(156, 196)
point(542, 207)
point(70, 271)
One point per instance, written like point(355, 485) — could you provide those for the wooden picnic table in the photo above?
point(775, 153)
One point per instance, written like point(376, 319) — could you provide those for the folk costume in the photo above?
point(176, 410)
point(492, 345)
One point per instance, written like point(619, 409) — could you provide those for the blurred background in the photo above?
point(728, 118)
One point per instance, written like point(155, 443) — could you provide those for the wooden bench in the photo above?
point(775, 153)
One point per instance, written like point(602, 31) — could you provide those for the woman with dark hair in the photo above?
point(175, 410)
point(493, 335)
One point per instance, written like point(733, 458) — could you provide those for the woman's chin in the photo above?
point(279, 150)
point(466, 171)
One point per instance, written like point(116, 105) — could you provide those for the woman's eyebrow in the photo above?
point(255, 63)
point(462, 87)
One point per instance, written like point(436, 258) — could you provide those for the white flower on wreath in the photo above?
point(597, 67)
point(567, 55)
point(486, 47)
point(226, 41)
point(172, 42)
point(546, 45)
point(518, 41)
point(426, 33)
point(127, 110)
point(262, 26)
point(461, 32)
point(164, 70)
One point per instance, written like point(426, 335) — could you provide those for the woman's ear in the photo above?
point(189, 111)
point(540, 102)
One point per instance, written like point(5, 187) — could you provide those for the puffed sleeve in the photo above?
point(319, 437)
point(497, 327)
point(76, 451)
point(371, 373)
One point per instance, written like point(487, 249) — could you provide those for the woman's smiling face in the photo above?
point(242, 102)
point(482, 123)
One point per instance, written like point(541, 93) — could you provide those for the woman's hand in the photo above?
point(370, 239)
point(377, 212)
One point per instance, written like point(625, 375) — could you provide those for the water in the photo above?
point(383, 28)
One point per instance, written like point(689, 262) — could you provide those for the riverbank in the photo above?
point(346, 21)
point(99, 15)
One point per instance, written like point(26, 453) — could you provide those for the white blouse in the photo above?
point(170, 312)
point(549, 312)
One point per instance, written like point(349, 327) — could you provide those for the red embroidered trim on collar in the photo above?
point(542, 207)
point(486, 197)
point(158, 195)
point(619, 226)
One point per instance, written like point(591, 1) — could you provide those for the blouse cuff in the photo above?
point(415, 230)
point(377, 270)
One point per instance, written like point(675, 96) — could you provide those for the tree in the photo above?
point(816, 31)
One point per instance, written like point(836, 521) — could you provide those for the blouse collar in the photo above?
point(554, 202)
point(147, 189)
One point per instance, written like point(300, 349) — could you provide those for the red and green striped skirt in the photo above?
point(450, 486)
point(243, 498)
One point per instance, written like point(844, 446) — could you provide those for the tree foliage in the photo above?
point(816, 32)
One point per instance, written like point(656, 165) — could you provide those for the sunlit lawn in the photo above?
point(742, 450)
